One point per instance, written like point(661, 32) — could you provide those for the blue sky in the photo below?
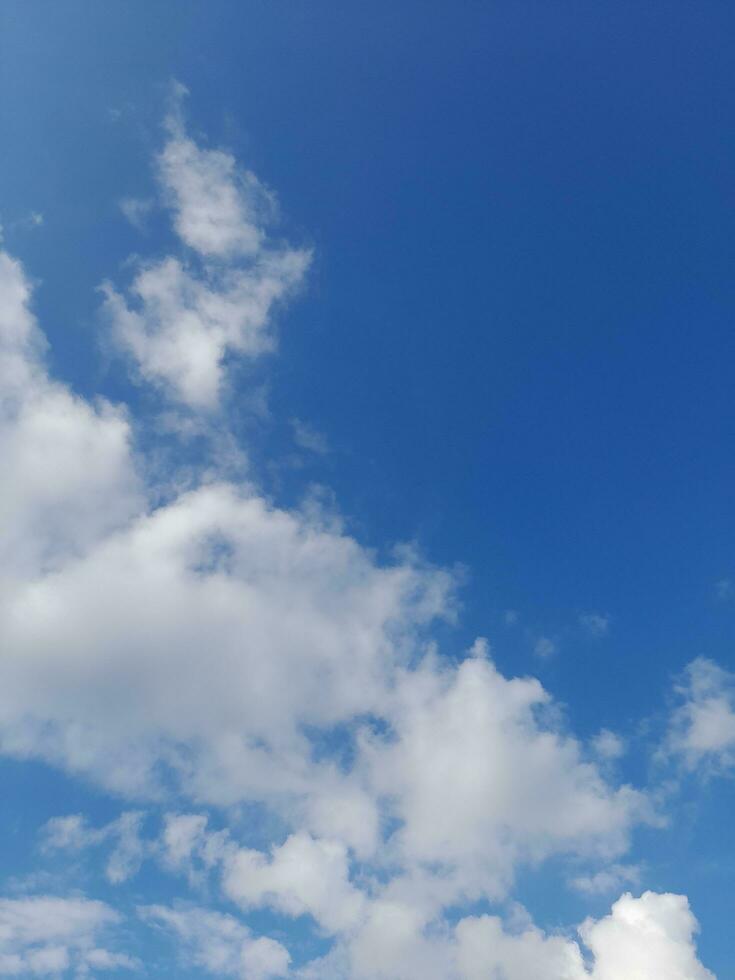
point(489, 395)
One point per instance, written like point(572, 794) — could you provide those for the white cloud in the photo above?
point(393, 945)
point(219, 210)
point(485, 949)
point(179, 326)
point(219, 944)
point(73, 833)
point(105, 671)
point(479, 781)
point(45, 936)
point(69, 478)
point(702, 727)
point(646, 938)
point(212, 643)
point(301, 876)
point(184, 834)
point(181, 320)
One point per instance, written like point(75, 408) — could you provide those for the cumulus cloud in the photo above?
point(105, 672)
point(702, 727)
point(46, 936)
point(304, 875)
point(219, 944)
point(645, 938)
point(479, 781)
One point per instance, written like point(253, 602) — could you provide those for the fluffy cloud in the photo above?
point(479, 781)
point(107, 607)
point(69, 477)
point(646, 938)
point(304, 875)
point(179, 324)
point(215, 635)
point(219, 944)
point(702, 729)
point(46, 936)
point(296, 623)
point(218, 208)
point(181, 319)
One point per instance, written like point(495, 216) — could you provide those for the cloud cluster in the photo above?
point(647, 938)
point(211, 642)
point(46, 936)
point(218, 944)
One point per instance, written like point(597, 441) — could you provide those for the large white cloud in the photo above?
point(206, 633)
point(109, 609)
point(647, 938)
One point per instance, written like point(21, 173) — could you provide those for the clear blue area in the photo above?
point(517, 337)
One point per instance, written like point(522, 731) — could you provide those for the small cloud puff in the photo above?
point(596, 624)
point(545, 647)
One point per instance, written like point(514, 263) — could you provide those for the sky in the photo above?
point(367, 585)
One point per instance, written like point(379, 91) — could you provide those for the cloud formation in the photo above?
point(647, 938)
point(207, 645)
point(218, 944)
point(46, 936)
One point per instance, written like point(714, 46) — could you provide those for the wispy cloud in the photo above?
point(595, 624)
point(308, 438)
